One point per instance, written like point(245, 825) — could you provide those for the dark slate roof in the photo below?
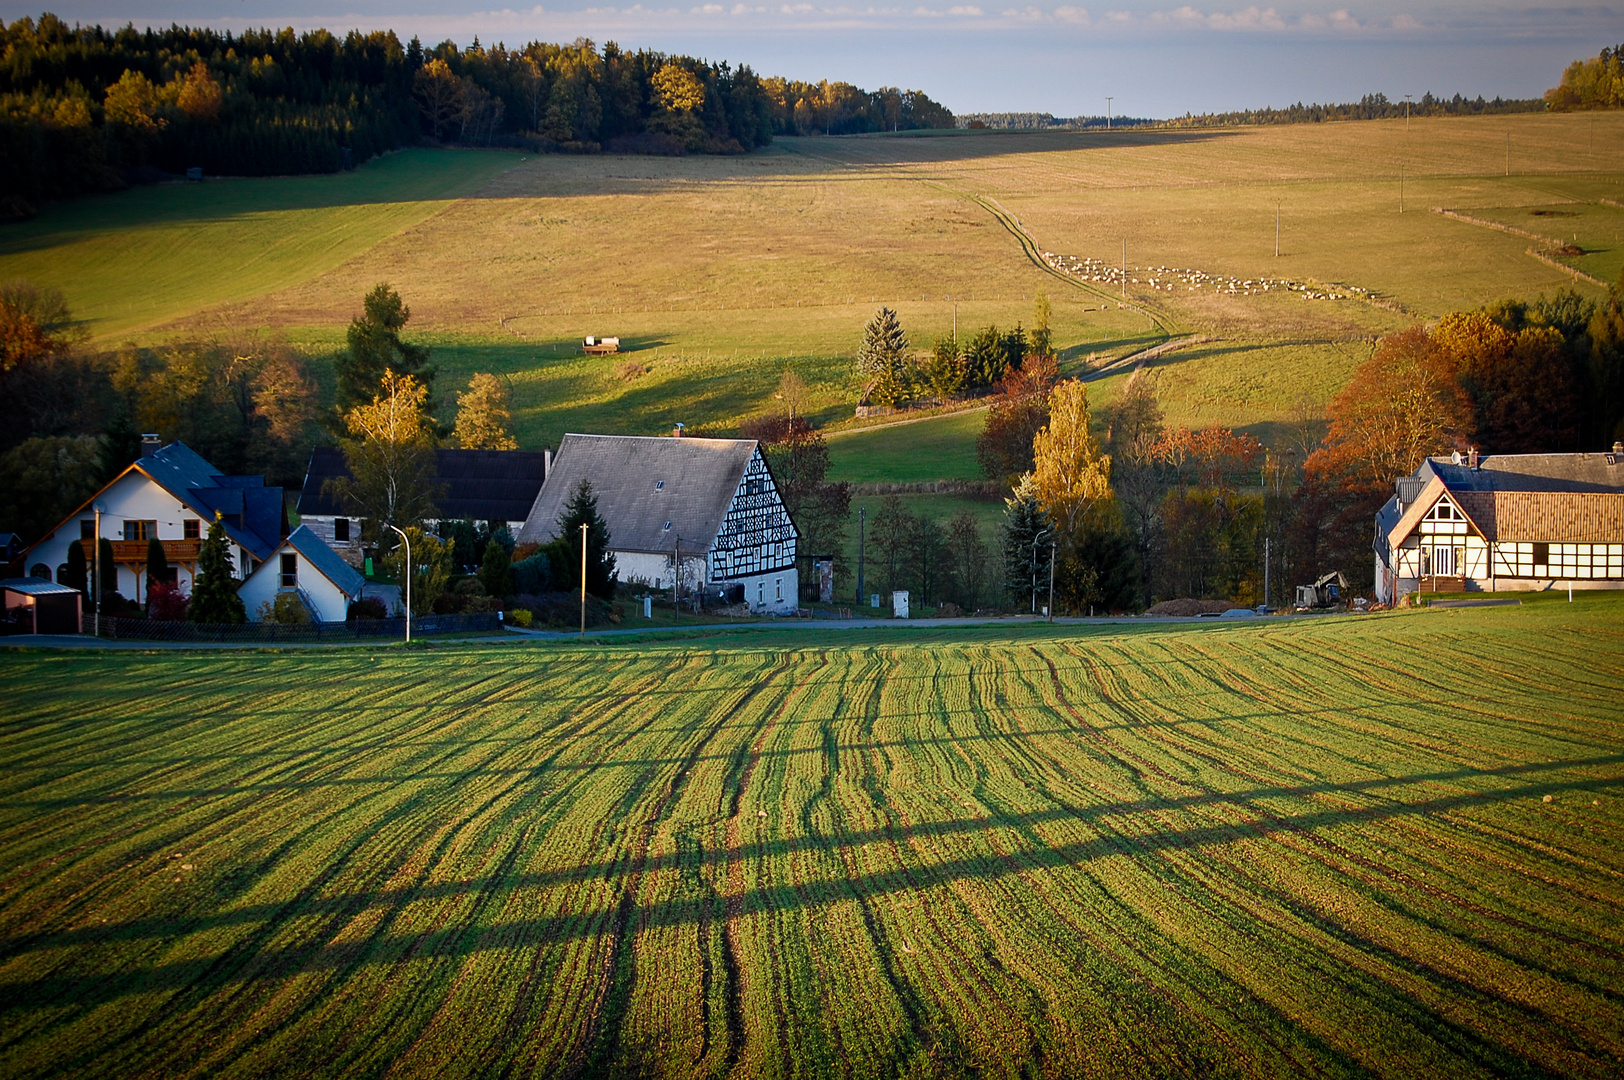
point(700, 477)
point(1386, 518)
point(326, 561)
point(480, 485)
point(252, 512)
point(1575, 473)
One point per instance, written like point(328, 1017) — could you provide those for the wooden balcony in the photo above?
point(133, 552)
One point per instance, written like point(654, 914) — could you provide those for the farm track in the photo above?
point(1310, 848)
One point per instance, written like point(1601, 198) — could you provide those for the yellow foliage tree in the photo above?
point(390, 453)
point(483, 415)
point(133, 102)
point(1072, 478)
point(199, 94)
point(678, 89)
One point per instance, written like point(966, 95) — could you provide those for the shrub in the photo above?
point(368, 607)
point(521, 617)
point(287, 609)
point(165, 602)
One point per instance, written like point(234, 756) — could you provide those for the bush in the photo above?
point(532, 576)
point(368, 607)
point(287, 609)
point(166, 603)
point(521, 617)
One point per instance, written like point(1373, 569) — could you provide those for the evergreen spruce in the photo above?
point(77, 574)
point(882, 359)
point(375, 347)
point(1024, 522)
point(601, 576)
point(495, 573)
point(214, 589)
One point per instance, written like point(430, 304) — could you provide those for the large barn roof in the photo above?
point(1531, 472)
point(641, 485)
point(480, 485)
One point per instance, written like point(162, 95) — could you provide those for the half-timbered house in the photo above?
point(1503, 523)
point(705, 509)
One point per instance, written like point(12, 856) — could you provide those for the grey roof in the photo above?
point(33, 586)
point(1386, 518)
point(641, 483)
point(480, 485)
point(349, 580)
point(1531, 472)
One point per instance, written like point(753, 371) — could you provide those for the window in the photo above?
point(761, 592)
point(1542, 554)
point(341, 530)
point(191, 528)
point(778, 588)
point(40, 570)
point(290, 570)
point(659, 485)
point(87, 528)
point(140, 530)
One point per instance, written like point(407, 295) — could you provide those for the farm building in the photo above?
point(306, 567)
point(173, 494)
point(707, 506)
point(1504, 523)
point(498, 486)
point(33, 606)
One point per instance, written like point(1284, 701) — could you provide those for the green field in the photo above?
point(1379, 846)
point(720, 273)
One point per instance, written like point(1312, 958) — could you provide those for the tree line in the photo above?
point(1597, 83)
point(84, 108)
point(1370, 107)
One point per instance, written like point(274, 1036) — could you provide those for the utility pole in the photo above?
point(955, 326)
point(583, 578)
point(95, 570)
point(1108, 113)
point(862, 520)
point(1407, 114)
point(1265, 571)
point(1124, 267)
point(1051, 577)
point(1401, 189)
point(1508, 153)
point(676, 581)
point(1277, 228)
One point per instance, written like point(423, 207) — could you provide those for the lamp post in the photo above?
point(408, 542)
point(1036, 540)
point(1052, 548)
point(95, 568)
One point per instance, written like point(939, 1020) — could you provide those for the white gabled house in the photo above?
point(1503, 523)
point(707, 508)
point(173, 494)
point(306, 567)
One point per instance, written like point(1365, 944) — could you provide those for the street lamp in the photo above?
point(95, 568)
point(1035, 541)
point(408, 542)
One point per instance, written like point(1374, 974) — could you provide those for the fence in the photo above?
point(256, 632)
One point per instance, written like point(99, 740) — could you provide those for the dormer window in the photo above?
point(667, 527)
point(659, 485)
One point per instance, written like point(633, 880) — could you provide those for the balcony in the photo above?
point(134, 552)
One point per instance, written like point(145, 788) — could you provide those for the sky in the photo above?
point(1153, 58)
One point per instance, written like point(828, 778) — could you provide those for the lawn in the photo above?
point(1380, 846)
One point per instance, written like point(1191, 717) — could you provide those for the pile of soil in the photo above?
point(1187, 607)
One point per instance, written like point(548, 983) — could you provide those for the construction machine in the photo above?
point(1324, 593)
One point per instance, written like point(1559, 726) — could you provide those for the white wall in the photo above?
point(131, 497)
point(263, 586)
point(776, 591)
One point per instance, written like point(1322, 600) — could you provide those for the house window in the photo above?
point(1542, 554)
point(290, 570)
point(191, 528)
point(761, 592)
point(40, 570)
point(778, 588)
point(87, 528)
point(140, 530)
point(341, 530)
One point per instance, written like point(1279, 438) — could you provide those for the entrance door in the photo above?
point(1443, 562)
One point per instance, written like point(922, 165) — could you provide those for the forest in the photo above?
point(84, 108)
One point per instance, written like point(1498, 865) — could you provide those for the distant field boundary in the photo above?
point(1527, 234)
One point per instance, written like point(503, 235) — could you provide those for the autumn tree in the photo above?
point(1133, 438)
point(430, 570)
point(46, 477)
point(389, 450)
point(1018, 413)
point(890, 535)
point(35, 326)
point(967, 558)
point(1072, 478)
point(1042, 336)
point(1517, 378)
point(484, 412)
point(439, 94)
point(1605, 368)
point(375, 345)
point(882, 359)
point(198, 94)
point(1401, 405)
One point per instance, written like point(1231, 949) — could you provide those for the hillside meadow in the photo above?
point(1362, 846)
point(719, 273)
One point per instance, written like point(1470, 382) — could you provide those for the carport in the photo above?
point(34, 606)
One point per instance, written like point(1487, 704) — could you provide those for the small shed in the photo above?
point(600, 346)
point(35, 606)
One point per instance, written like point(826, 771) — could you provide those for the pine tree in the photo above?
point(882, 359)
point(1024, 555)
point(375, 347)
point(601, 575)
point(214, 588)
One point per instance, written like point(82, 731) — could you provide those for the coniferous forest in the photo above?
point(84, 108)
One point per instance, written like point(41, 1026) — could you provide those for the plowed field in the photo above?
point(1336, 847)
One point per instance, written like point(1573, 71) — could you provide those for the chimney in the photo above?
point(1471, 459)
point(151, 443)
point(1618, 447)
point(546, 464)
point(676, 432)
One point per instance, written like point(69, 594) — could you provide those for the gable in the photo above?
point(757, 515)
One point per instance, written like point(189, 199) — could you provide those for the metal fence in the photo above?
point(255, 632)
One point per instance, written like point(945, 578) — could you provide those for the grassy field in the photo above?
point(720, 273)
point(1386, 846)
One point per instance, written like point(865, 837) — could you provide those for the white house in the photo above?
point(306, 567)
point(173, 494)
point(708, 507)
point(1504, 523)
point(497, 486)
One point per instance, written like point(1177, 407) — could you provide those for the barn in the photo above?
point(707, 509)
point(1503, 523)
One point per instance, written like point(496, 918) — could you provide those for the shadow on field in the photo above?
point(322, 916)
